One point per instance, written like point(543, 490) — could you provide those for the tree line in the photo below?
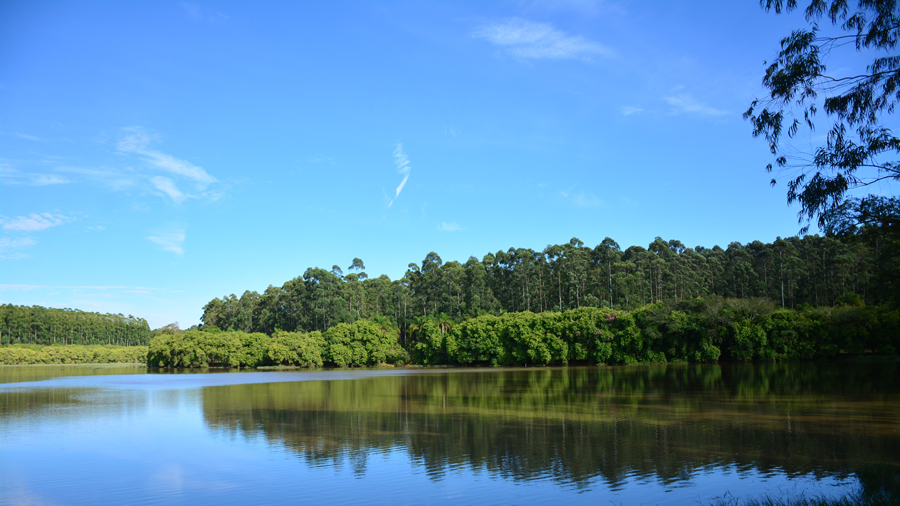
point(795, 272)
point(47, 326)
point(693, 330)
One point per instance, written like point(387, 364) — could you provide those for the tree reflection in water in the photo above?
point(577, 424)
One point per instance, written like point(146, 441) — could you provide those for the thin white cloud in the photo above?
point(90, 287)
point(175, 166)
point(34, 222)
point(200, 14)
point(584, 8)
point(401, 161)
point(138, 141)
point(30, 137)
point(137, 292)
point(530, 40)
point(115, 179)
point(449, 227)
point(193, 10)
point(8, 247)
point(11, 176)
point(628, 110)
point(581, 199)
point(135, 138)
point(44, 180)
point(172, 240)
point(166, 186)
point(19, 287)
point(7, 243)
point(687, 104)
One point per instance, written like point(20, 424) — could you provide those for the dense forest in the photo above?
point(812, 271)
point(694, 330)
point(40, 325)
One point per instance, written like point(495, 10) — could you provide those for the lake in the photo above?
point(678, 434)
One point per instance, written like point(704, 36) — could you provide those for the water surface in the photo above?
point(620, 435)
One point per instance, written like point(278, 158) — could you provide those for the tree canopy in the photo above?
point(860, 150)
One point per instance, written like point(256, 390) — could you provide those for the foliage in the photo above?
point(171, 328)
point(40, 325)
point(694, 330)
point(363, 343)
point(199, 349)
point(72, 354)
point(860, 149)
point(295, 348)
point(701, 330)
point(436, 295)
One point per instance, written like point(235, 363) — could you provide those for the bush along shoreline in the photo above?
point(698, 330)
point(33, 354)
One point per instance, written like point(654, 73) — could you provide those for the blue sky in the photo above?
point(155, 155)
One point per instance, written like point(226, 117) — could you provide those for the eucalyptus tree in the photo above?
point(479, 296)
point(860, 149)
point(356, 274)
point(555, 255)
point(606, 254)
point(577, 263)
point(454, 276)
point(430, 285)
point(40, 325)
point(325, 298)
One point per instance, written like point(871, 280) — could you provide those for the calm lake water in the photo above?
point(584, 435)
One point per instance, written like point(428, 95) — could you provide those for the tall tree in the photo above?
point(859, 150)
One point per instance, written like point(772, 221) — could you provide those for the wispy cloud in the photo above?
point(584, 8)
point(530, 40)
point(34, 222)
point(171, 240)
point(449, 227)
point(193, 10)
point(30, 137)
point(115, 179)
point(45, 179)
point(581, 199)
point(137, 140)
point(9, 247)
point(19, 287)
point(687, 104)
point(166, 186)
point(629, 110)
point(198, 13)
point(401, 161)
point(11, 176)
point(137, 292)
